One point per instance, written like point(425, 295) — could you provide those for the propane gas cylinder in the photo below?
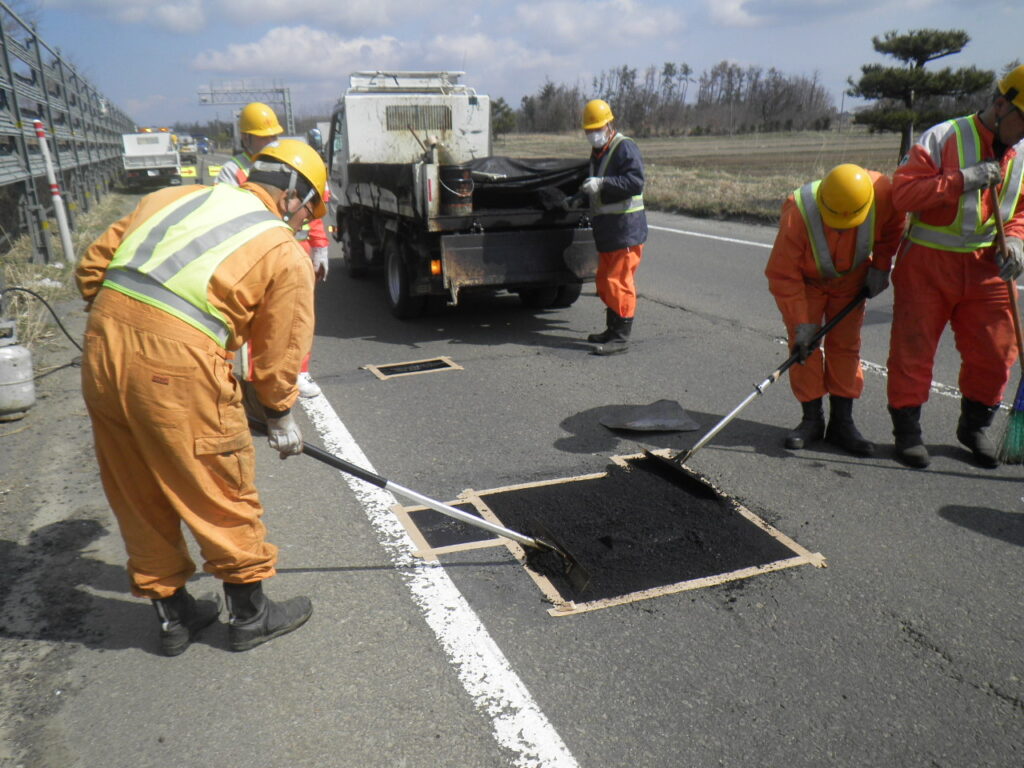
point(17, 388)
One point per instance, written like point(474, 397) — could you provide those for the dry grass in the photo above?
point(739, 177)
point(53, 282)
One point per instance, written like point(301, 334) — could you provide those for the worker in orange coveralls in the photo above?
point(836, 237)
point(173, 289)
point(615, 188)
point(949, 271)
point(258, 126)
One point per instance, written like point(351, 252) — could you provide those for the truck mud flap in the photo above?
point(515, 259)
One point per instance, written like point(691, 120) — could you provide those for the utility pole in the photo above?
point(244, 91)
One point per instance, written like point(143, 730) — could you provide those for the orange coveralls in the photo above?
point(171, 436)
point(804, 296)
point(934, 287)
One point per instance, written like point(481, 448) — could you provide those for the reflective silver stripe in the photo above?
point(206, 242)
point(630, 204)
point(146, 247)
point(136, 283)
point(967, 233)
point(807, 202)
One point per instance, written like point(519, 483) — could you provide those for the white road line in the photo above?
point(485, 673)
point(709, 237)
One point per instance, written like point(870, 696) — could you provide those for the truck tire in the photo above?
point(353, 255)
point(539, 298)
point(567, 295)
point(398, 284)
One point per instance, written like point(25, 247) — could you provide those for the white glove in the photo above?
point(592, 185)
point(319, 257)
point(1011, 263)
point(802, 336)
point(876, 281)
point(284, 435)
point(987, 173)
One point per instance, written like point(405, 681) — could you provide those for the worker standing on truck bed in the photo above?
point(837, 236)
point(258, 126)
point(615, 187)
point(948, 272)
point(189, 276)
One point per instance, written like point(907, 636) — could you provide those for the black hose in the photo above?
point(45, 304)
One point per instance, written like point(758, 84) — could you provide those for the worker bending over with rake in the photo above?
point(615, 188)
point(836, 238)
point(949, 272)
point(173, 289)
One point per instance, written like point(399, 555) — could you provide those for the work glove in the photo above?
point(574, 201)
point(319, 257)
point(987, 173)
point(876, 281)
point(592, 185)
point(802, 341)
point(1011, 263)
point(284, 435)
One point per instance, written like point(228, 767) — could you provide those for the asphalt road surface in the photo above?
point(905, 650)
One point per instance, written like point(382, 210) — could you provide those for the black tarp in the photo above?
point(508, 182)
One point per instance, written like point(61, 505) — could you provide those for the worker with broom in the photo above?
point(950, 273)
point(836, 239)
point(173, 290)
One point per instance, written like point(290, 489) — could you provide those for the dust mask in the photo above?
point(598, 139)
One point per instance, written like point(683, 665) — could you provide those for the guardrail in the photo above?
point(84, 129)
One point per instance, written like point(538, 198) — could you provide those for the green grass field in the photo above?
point(744, 177)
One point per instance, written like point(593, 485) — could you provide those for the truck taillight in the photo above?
point(435, 267)
point(430, 190)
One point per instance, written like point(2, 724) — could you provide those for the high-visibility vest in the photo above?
point(630, 204)
point(169, 260)
point(244, 163)
point(807, 203)
point(968, 232)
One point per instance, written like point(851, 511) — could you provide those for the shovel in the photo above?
point(574, 573)
point(684, 456)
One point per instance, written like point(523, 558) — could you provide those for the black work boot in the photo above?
point(182, 618)
point(970, 430)
point(906, 428)
point(604, 336)
point(618, 342)
point(810, 428)
point(255, 618)
point(842, 432)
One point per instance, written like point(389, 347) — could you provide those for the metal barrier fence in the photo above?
point(84, 129)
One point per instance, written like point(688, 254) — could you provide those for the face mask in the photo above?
point(598, 139)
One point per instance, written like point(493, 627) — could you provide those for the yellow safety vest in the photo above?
point(807, 203)
point(968, 232)
point(630, 204)
point(169, 260)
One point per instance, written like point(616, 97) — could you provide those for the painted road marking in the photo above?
point(484, 671)
point(709, 237)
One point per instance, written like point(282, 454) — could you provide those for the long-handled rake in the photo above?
point(1011, 445)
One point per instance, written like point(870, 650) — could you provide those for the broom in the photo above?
point(1011, 445)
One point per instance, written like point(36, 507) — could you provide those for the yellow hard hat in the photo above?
point(596, 114)
point(1012, 87)
point(845, 196)
point(259, 120)
point(293, 155)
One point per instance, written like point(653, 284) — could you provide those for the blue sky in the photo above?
point(150, 57)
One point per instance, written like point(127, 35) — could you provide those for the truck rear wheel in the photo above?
point(398, 282)
point(567, 294)
point(353, 253)
point(539, 298)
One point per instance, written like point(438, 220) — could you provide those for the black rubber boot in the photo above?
point(810, 428)
point(970, 430)
point(906, 428)
point(604, 336)
point(255, 618)
point(618, 342)
point(842, 432)
point(182, 618)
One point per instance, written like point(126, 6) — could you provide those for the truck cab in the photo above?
point(417, 193)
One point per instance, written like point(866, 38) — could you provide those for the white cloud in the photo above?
point(345, 14)
point(606, 25)
point(178, 16)
point(732, 13)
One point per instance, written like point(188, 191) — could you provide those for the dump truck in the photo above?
point(150, 159)
point(417, 195)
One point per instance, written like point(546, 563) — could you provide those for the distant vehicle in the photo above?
point(203, 145)
point(416, 192)
point(187, 147)
point(150, 160)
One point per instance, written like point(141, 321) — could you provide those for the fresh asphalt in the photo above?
point(905, 651)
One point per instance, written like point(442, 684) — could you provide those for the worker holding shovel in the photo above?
point(835, 243)
point(174, 289)
point(950, 273)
